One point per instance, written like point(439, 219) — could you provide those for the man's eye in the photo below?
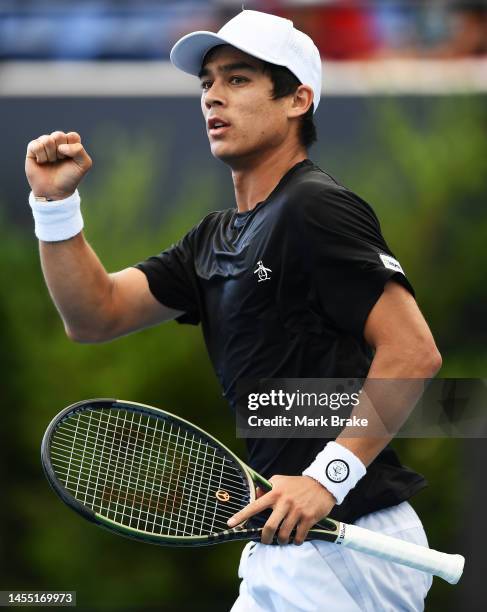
point(238, 79)
point(205, 85)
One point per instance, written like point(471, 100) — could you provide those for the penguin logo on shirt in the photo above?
point(262, 272)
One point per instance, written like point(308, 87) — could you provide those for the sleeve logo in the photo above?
point(337, 470)
point(391, 263)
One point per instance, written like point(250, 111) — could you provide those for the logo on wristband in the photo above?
point(337, 470)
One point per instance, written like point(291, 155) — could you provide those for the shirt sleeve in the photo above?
point(347, 257)
point(172, 278)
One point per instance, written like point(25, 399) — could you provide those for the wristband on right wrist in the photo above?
point(56, 220)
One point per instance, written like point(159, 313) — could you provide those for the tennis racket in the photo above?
point(150, 475)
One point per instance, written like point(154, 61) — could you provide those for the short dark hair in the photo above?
point(284, 84)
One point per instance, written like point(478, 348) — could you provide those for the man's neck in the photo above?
point(256, 181)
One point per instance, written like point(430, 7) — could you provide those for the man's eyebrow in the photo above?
point(228, 68)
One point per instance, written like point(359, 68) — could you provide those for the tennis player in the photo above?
point(296, 280)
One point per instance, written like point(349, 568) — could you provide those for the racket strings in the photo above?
point(140, 497)
point(121, 499)
point(58, 452)
point(167, 439)
point(150, 462)
point(147, 473)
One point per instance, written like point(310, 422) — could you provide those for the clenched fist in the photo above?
point(55, 164)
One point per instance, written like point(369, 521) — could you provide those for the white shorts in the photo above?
point(324, 577)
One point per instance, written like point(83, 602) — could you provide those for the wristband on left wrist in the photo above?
point(337, 469)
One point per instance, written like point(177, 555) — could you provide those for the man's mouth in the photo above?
point(217, 126)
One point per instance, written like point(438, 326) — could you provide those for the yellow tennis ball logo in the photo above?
point(222, 496)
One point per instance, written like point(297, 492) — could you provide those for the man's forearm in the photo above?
point(78, 284)
point(393, 387)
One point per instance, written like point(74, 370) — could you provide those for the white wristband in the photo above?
point(337, 469)
point(58, 220)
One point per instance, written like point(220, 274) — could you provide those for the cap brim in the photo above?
point(188, 53)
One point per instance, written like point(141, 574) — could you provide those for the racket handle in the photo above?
point(448, 567)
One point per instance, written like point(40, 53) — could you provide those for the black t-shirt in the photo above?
point(284, 291)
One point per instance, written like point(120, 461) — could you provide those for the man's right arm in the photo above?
point(95, 306)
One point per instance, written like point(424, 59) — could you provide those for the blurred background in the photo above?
point(402, 123)
point(146, 29)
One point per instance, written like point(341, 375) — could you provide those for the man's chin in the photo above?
point(229, 155)
point(223, 152)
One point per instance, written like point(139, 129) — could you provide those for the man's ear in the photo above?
point(301, 101)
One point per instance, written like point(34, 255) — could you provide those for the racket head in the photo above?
point(146, 474)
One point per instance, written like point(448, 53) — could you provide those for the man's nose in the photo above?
point(215, 96)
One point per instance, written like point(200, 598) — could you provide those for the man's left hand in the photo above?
point(298, 502)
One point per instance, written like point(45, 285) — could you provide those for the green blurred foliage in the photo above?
point(427, 185)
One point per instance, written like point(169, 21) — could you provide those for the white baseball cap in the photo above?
point(266, 37)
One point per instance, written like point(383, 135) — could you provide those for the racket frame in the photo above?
point(97, 404)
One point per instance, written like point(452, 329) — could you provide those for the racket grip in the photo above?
point(448, 567)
